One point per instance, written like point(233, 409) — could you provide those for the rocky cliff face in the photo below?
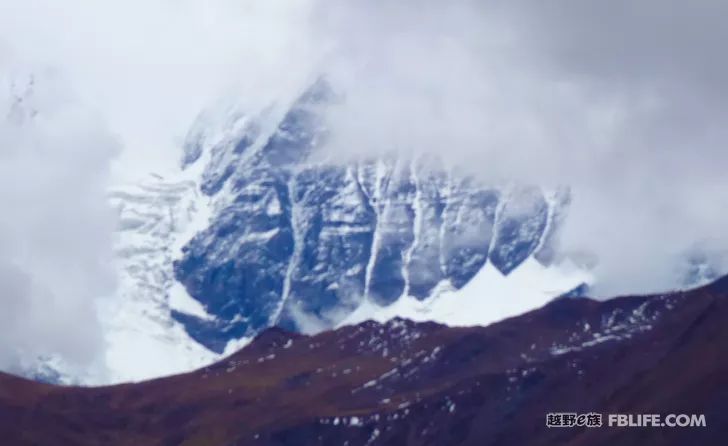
point(301, 242)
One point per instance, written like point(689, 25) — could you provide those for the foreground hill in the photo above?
point(403, 383)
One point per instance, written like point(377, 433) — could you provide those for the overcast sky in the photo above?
point(625, 101)
point(55, 225)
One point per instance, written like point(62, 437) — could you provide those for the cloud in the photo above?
point(116, 86)
point(150, 66)
point(55, 224)
point(624, 101)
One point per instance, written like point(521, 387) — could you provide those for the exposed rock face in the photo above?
point(300, 242)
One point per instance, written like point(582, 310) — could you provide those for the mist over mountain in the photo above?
point(56, 224)
point(460, 162)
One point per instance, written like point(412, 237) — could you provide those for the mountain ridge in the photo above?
point(301, 242)
point(419, 383)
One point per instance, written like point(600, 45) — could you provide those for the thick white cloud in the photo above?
point(622, 100)
point(55, 223)
point(150, 66)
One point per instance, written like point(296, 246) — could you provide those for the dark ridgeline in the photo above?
point(403, 383)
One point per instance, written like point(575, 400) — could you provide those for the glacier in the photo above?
point(142, 341)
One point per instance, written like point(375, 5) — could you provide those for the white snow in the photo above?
point(157, 216)
point(417, 226)
point(489, 297)
point(274, 207)
point(293, 261)
point(181, 301)
point(375, 202)
point(142, 348)
point(235, 345)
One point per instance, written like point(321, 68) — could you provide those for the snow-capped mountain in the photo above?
point(257, 229)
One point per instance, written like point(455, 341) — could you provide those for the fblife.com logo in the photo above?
point(593, 419)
